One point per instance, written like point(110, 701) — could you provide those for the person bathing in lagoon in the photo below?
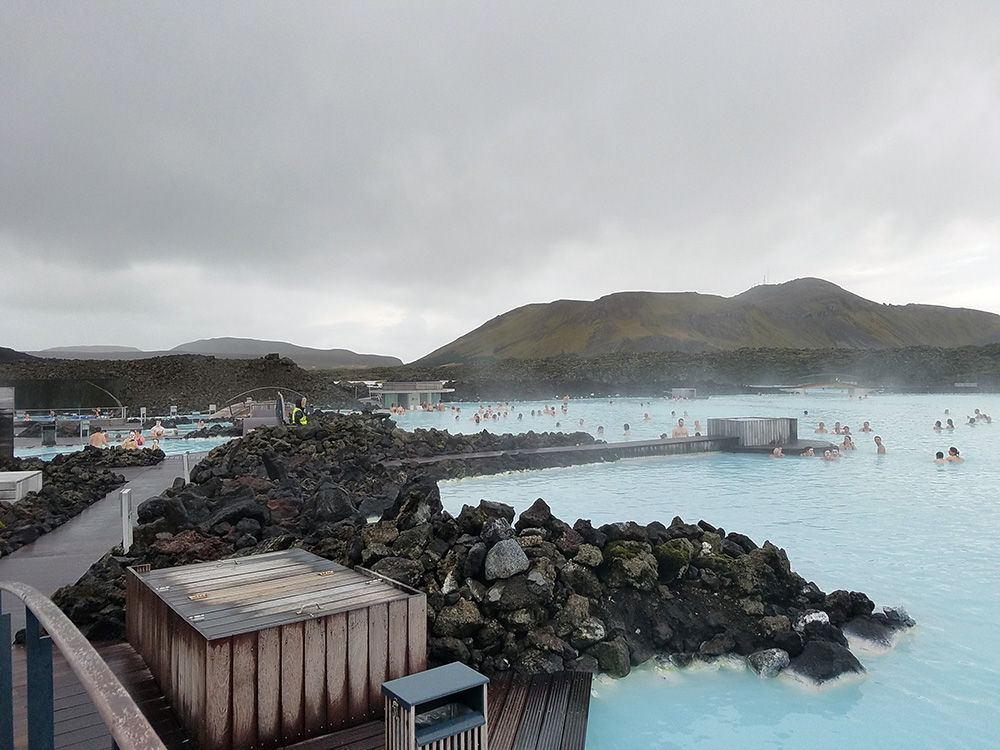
point(837, 429)
point(600, 430)
point(628, 431)
point(157, 430)
point(953, 457)
point(777, 453)
point(155, 446)
point(130, 443)
point(99, 438)
point(808, 452)
point(939, 458)
point(937, 425)
point(828, 455)
point(880, 449)
point(821, 430)
point(645, 417)
point(697, 427)
point(949, 425)
point(848, 444)
point(140, 441)
point(680, 431)
point(866, 427)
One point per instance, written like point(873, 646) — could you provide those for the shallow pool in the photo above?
point(898, 527)
point(169, 447)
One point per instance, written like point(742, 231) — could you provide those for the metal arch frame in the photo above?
point(120, 404)
point(129, 728)
point(233, 400)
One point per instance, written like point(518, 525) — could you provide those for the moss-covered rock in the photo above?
point(628, 563)
point(673, 558)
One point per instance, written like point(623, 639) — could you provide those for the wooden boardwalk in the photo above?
point(526, 712)
point(539, 712)
point(78, 725)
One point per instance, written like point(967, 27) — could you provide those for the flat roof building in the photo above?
point(409, 395)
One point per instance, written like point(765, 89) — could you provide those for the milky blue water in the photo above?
point(169, 445)
point(898, 527)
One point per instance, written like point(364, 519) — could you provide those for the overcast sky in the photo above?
point(387, 176)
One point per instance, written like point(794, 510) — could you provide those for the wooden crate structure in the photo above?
point(268, 650)
point(755, 431)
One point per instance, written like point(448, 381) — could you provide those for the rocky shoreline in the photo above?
point(530, 593)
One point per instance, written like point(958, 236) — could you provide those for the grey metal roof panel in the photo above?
point(228, 597)
point(424, 687)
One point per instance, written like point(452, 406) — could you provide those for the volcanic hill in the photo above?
point(801, 314)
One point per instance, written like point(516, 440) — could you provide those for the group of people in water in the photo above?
point(847, 440)
point(134, 440)
point(953, 455)
point(977, 418)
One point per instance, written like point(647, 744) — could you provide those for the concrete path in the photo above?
point(64, 554)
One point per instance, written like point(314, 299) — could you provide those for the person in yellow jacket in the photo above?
point(299, 412)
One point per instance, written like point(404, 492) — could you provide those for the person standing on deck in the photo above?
point(299, 413)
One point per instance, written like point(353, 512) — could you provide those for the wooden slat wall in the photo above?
point(244, 663)
point(357, 665)
point(416, 634)
point(268, 687)
point(218, 680)
point(756, 432)
point(314, 674)
point(279, 685)
point(337, 712)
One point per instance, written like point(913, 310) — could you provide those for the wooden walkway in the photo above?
point(526, 712)
point(539, 712)
point(78, 725)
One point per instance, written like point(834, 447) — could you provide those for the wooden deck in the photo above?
point(78, 725)
point(526, 712)
point(539, 712)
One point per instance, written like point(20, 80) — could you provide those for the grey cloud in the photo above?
point(458, 143)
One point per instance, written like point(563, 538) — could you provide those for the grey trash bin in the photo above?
point(444, 707)
point(49, 434)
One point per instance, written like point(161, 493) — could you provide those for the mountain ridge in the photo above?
point(230, 348)
point(806, 313)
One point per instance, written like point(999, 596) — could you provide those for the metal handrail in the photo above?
point(128, 726)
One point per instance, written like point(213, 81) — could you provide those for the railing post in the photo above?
point(126, 497)
point(6, 683)
point(41, 714)
point(186, 458)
